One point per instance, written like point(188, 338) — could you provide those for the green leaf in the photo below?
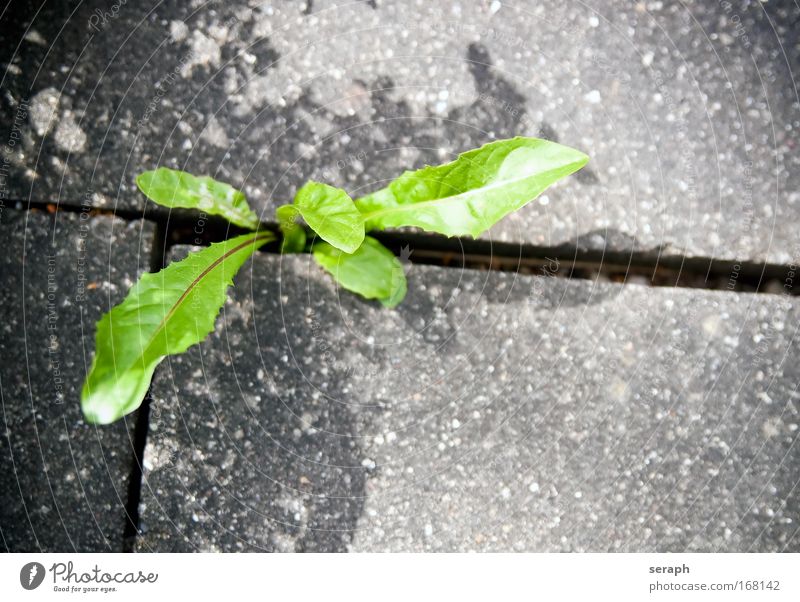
point(172, 188)
point(372, 271)
point(331, 213)
point(294, 235)
point(471, 194)
point(164, 313)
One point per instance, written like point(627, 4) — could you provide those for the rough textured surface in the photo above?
point(488, 412)
point(63, 483)
point(689, 110)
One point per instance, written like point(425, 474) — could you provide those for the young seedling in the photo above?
point(167, 312)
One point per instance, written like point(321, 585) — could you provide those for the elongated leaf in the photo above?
point(372, 271)
point(294, 235)
point(164, 313)
point(471, 194)
point(331, 213)
point(172, 188)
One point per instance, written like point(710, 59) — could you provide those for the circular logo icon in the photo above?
point(31, 575)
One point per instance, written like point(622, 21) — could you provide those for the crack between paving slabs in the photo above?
point(648, 267)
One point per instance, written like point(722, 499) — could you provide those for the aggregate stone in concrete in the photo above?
point(689, 111)
point(489, 411)
point(63, 483)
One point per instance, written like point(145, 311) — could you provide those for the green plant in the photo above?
point(167, 312)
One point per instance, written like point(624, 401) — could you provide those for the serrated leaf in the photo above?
point(372, 270)
point(472, 193)
point(164, 313)
point(331, 213)
point(294, 235)
point(178, 189)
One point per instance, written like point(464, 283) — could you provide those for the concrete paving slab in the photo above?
point(63, 483)
point(689, 111)
point(490, 411)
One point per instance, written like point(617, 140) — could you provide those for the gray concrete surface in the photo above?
point(490, 411)
point(63, 483)
point(689, 110)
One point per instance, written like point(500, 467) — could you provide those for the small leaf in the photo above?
point(172, 188)
point(372, 271)
point(331, 213)
point(471, 194)
point(164, 313)
point(294, 235)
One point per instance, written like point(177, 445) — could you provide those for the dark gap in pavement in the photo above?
point(569, 261)
point(566, 261)
point(157, 261)
point(646, 267)
point(47, 207)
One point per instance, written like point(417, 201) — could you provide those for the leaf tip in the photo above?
point(96, 411)
point(142, 179)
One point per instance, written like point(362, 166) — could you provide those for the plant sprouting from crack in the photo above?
point(167, 312)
